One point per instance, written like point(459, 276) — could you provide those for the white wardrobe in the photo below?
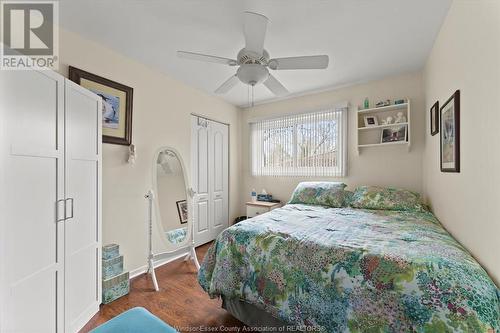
point(50, 197)
point(210, 178)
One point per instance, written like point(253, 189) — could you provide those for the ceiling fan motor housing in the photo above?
point(252, 74)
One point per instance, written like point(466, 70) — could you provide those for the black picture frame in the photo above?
point(182, 209)
point(449, 116)
point(434, 118)
point(76, 74)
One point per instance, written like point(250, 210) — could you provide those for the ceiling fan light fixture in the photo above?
point(252, 74)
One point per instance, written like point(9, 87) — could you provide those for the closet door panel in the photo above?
point(202, 214)
point(200, 179)
point(219, 141)
point(83, 238)
point(32, 259)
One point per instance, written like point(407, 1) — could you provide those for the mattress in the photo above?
point(352, 270)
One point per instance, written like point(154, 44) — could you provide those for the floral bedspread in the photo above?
point(353, 270)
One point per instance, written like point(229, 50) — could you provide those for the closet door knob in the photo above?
point(66, 209)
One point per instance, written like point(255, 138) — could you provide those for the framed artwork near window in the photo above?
point(450, 134)
point(116, 105)
point(435, 118)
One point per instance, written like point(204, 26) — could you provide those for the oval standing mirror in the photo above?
point(171, 198)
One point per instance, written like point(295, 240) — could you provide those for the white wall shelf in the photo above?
point(370, 136)
point(365, 128)
point(385, 108)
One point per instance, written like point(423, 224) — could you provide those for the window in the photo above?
point(309, 144)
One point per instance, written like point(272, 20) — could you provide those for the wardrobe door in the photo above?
point(83, 210)
point(32, 226)
point(219, 177)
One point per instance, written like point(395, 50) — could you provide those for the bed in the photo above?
point(350, 270)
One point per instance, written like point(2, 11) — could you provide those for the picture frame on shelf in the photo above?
point(449, 127)
point(434, 118)
point(394, 134)
point(371, 121)
point(117, 102)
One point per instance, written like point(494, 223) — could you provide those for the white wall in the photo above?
point(161, 116)
point(392, 165)
point(466, 56)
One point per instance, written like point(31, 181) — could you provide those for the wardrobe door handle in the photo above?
point(65, 209)
point(58, 205)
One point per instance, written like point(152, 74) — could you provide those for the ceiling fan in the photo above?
point(253, 60)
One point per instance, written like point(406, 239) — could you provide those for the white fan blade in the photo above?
point(305, 62)
point(206, 57)
point(275, 86)
point(255, 31)
point(227, 85)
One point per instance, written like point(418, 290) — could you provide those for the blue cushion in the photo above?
point(135, 320)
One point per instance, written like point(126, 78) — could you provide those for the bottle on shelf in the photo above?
point(254, 195)
point(366, 103)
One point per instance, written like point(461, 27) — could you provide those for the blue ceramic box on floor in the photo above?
point(112, 267)
point(110, 251)
point(115, 287)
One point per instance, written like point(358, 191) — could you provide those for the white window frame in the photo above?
point(340, 170)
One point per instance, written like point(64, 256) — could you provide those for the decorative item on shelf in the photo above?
point(115, 282)
point(265, 197)
point(116, 105)
point(253, 194)
point(132, 154)
point(435, 118)
point(366, 103)
point(393, 134)
point(399, 101)
point(388, 120)
point(400, 118)
point(387, 102)
point(450, 134)
point(371, 121)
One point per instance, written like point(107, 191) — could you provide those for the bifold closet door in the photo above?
point(210, 171)
point(83, 191)
point(218, 169)
point(32, 193)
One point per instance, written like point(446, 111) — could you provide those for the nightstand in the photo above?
point(255, 208)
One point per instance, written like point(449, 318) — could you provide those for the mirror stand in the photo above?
point(191, 252)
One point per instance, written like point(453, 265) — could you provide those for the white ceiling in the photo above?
point(365, 39)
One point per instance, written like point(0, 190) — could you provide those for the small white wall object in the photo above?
point(132, 154)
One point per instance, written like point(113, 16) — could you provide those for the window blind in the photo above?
point(308, 144)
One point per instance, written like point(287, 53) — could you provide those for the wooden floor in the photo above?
point(180, 302)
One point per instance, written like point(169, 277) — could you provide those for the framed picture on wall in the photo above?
point(450, 134)
point(182, 209)
point(116, 105)
point(435, 118)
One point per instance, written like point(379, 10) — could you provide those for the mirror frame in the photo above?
point(157, 214)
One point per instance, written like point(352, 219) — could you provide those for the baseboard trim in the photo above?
point(143, 269)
